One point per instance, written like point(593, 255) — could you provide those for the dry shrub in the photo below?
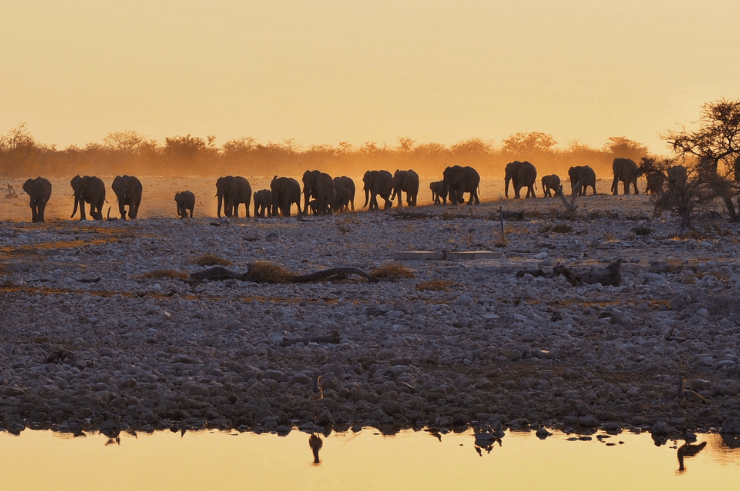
point(435, 285)
point(267, 272)
point(164, 273)
point(210, 260)
point(392, 270)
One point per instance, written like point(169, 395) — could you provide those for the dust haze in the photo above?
point(128, 152)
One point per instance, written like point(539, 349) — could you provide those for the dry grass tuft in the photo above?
point(210, 260)
point(436, 285)
point(392, 270)
point(267, 272)
point(164, 273)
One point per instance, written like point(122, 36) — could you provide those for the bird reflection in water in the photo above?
point(315, 443)
point(688, 450)
point(113, 441)
point(485, 437)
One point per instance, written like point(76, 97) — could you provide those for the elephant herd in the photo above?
point(324, 195)
point(523, 175)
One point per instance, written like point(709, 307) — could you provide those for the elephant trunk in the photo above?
point(74, 211)
point(367, 197)
point(506, 188)
point(220, 200)
point(306, 199)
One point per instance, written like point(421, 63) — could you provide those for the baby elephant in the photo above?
point(341, 203)
point(439, 190)
point(550, 183)
point(263, 203)
point(185, 201)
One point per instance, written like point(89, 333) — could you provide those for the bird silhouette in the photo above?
point(317, 392)
point(688, 395)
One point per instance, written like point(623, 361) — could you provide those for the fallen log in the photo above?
point(608, 276)
point(261, 273)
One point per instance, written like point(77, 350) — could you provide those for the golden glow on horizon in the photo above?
point(328, 71)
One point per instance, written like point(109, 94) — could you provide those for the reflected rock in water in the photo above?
point(315, 442)
point(730, 432)
point(688, 450)
point(389, 430)
point(661, 431)
point(731, 441)
point(542, 433)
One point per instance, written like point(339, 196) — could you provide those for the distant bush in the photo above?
point(128, 152)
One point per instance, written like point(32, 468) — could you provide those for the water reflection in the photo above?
point(315, 442)
point(485, 437)
point(688, 450)
point(409, 460)
point(732, 441)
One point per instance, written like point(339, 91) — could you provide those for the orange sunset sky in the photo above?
point(328, 71)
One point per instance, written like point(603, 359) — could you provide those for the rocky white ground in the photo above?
point(88, 341)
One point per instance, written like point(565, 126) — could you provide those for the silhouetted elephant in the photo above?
point(677, 177)
point(521, 174)
point(233, 191)
point(39, 190)
point(185, 202)
point(263, 203)
point(377, 183)
point(625, 170)
point(88, 189)
point(439, 192)
point(320, 186)
point(406, 181)
point(550, 185)
point(655, 182)
point(584, 175)
point(460, 180)
point(349, 184)
point(128, 192)
point(341, 202)
point(285, 191)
